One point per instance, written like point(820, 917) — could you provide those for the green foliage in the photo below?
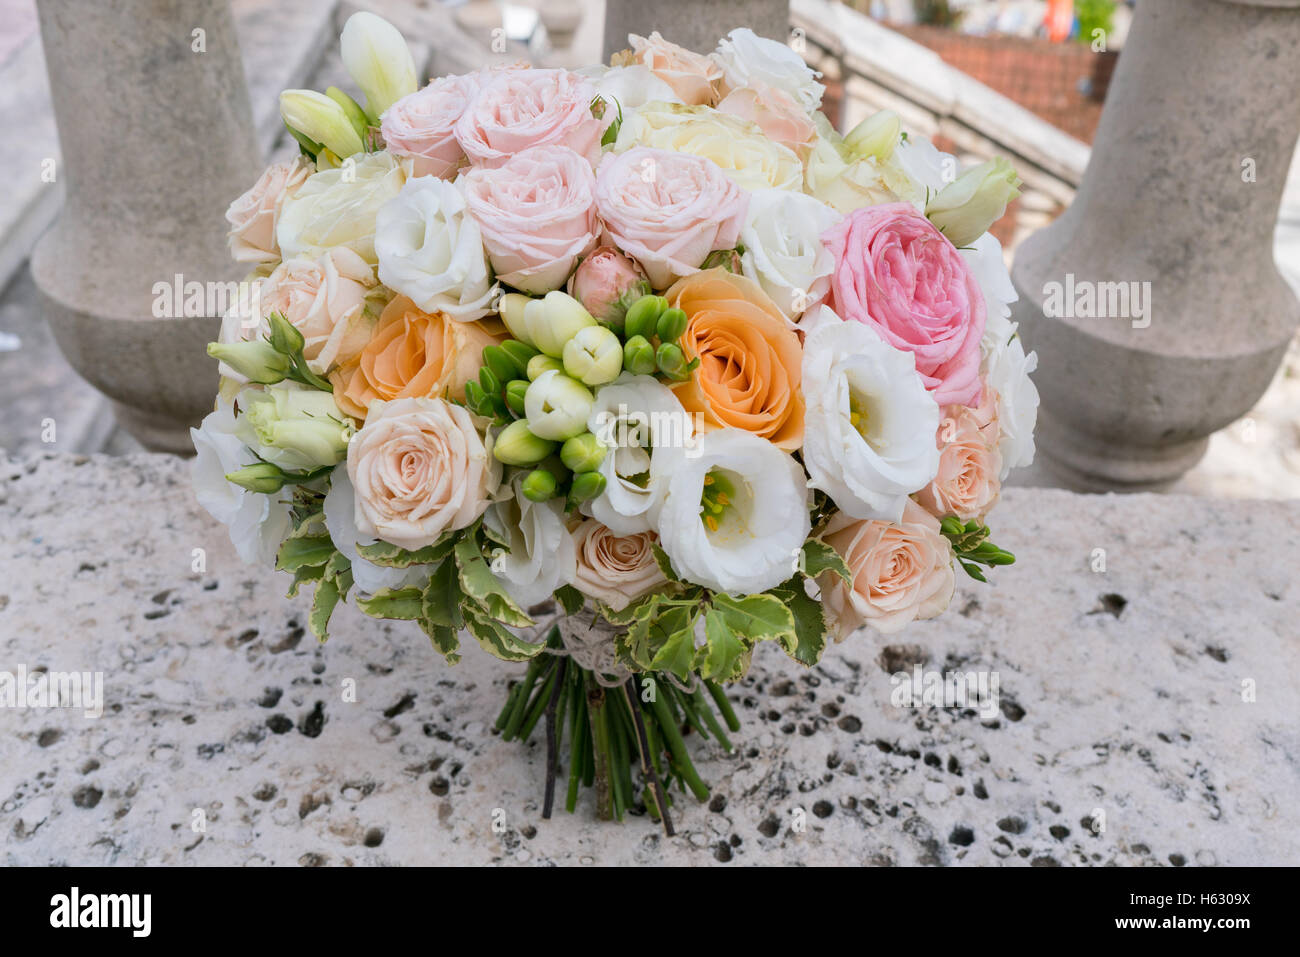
point(971, 545)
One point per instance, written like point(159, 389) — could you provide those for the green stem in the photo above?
point(600, 748)
point(539, 705)
point(724, 705)
point(706, 713)
point(677, 747)
point(687, 705)
point(579, 741)
point(518, 709)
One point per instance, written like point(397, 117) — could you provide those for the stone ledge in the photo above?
point(1121, 691)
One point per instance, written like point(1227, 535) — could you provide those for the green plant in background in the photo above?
point(935, 13)
point(1094, 15)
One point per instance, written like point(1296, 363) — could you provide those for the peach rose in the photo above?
point(325, 300)
point(537, 215)
point(776, 113)
point(902, 571)
point(254, 215)
point(668, 211)
point(966, 484)
point(419, 468)
point(412, 354)
point(615, 569)
point(517, 109)
point(422, 125)
point(693, 77)
point(750, 359)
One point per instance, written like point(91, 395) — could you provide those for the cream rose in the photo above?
point(615, 569)
point(776, 113)
point(784, 253)
point(967, 483)
point(422, 125)
point(419, 468)
point(902, 571)
point(253, 217)
point(747, 59)
point(692, 76)
point(337, 207)
point(324, 299)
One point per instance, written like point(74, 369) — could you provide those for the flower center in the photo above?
point(718, 499)
point(865, 417)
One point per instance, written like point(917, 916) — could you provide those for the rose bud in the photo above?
point(607, 283)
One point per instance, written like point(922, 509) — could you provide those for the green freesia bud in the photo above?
point(518, 445)
point(553, 320)
point(489, 382)
point(671, 361)
point(321, 120)
point(671, 325)
point(643, 316)
point(876, 136)
point(965, 209)
point(639, 356)
point(516, 389)
point(501, 364)
point(520, 354)
point(511, 307)
point(593, 356)
point(557, 407)
point(256, 361)
point(586, 486)
point(540, 363)
point(294, 428)
point(352, 109)
point(379, 60)
point(582, 453)
point(262, 477)
point(539, 486)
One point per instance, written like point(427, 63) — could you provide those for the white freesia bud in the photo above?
point(379, 60)
point(511, 306)
point(322, 120)
point(965, 209)
point(875, 136)
point(553, 320)
point(293, 427)
point(594, 356)
point(557, 407)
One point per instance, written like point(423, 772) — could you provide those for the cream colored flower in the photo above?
point(253, 217)
point(615, 569)
point(337, 207)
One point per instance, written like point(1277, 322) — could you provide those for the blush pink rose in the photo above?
point(607, 283)
point(897, 273)
point(324, 299)
point(692, 76)
point(776, 112)
point(615, 569)
point(422, 125)
point(254, 215)
point(902, 571)
point(967, 483)
point(537, 215)
point(668, 211)
point(516, 109)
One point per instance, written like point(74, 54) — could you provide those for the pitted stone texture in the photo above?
point(1121, 693)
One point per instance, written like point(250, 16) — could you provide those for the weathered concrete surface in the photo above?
point(1121, 693)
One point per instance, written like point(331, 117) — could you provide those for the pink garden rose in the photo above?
point(898, 274)
point(607, 283)
point(966, 484)
point(254, 215)
point(517, 109)
point(777, 114)
point(324, 299)
point(537, 215)
point(668, 211)
point(422, 125)
point(692, 76)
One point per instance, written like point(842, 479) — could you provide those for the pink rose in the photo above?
point(615, 569)
point(668, 211)
point(537, 215)
point(902, 571)
point(966, 484)
point(692, 76)
point(898, 274)
point(254, 215)
point(517, 109)
point(776, 113)
point(325, 300)
point(422, 125)
point(607, 283)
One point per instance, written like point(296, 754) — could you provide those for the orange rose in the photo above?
point(750, 359)
point(412, 354)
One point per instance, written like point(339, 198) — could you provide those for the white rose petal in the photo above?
point(750, 60)
point(337, 207)
point(784, 253)
point(628, 86)
point(1008, 375)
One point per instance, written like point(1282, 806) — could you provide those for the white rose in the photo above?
point(630, 87)
point(784, 253)
point(341, 523)
point(430, 249)
point(540, 556)
point(870, 422)
point(257, 523)
point(984, 257)
point(750, 60)
point(735, 511)
point(337, 207)
point(633, 416)
point(1008, 375)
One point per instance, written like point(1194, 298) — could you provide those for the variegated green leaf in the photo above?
point(819, 557)
point(722, 658)
point(296, 553)
point(497, 640)
point(390, 556)
point(442, 597)
point(398, 603)
point(481, 586)
point(445, 639)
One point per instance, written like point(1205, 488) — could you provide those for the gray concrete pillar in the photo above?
point(1181, 193)
point(694, 24)
point(157, 139)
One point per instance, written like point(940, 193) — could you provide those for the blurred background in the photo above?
point(1024, 78)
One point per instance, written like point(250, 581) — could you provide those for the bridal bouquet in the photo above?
point(618, 372)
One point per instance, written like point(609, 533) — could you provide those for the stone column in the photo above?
point(157, 138)
point(695, 24)
point(1182, 192)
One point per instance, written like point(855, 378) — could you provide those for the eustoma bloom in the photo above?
point(898, 274)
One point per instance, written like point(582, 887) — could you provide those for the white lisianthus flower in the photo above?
point(984, 257)
point(926, 165)
point(750, 60)
point(293, 427)
point(341, 523)
point(540, 556)
point(430, 249)
point(870, 425)
point(257, 522)
point(633, 417)
point(784, 253)
point(846, 180)
point(734, 515)
point(337, 207)
point(1008, 376)
point(630, 87)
